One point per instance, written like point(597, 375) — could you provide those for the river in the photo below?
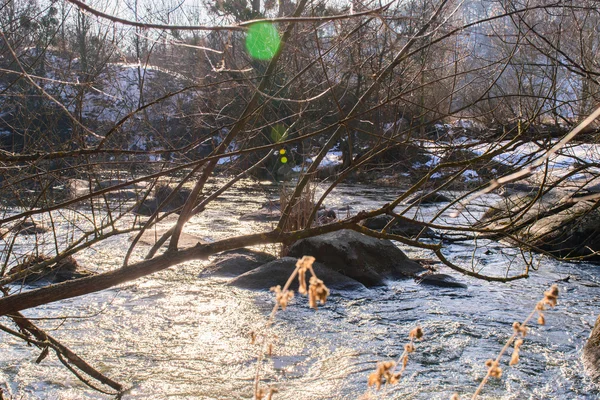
point(181, 335)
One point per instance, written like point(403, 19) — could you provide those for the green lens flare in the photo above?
point(282, 151)
point(262, 40)
point(283, 160)
point(278, 133)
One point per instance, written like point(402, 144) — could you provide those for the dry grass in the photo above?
point(300, 211)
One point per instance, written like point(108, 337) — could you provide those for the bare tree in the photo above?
point(118, 140)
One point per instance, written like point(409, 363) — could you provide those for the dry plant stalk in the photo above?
point(317, 293)
point(385, 371)
point(519, 332)
point(300, 212)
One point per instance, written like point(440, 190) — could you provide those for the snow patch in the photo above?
point(331, 158)
point(470, 175)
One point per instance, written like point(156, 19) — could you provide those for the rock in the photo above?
point(429, 198)
point(363, 258)
point(151, 204)
point(591, 353)
point(325, 216)
point(28, 228)
point(178, 199)
point(441, 280)
point(522, 189)
point(556, 225)
point(147, 207)
point(66, 269)
point(400, 227)
point(278, 271)
point(237, 262)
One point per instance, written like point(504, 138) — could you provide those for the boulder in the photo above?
point(522, 189)
point(400, 227)
point(441, 280)
point(151, 204)
point(147, 207)
point(278, 271)
point(363, 258)
point(28, 228)
point(237, 262)
point(429, 198)
point(178, 200)
point(64, 270)
point(326, 215)
point(591, 353)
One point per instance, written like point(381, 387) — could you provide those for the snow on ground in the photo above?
point(331, 158)
point(227, 160)
point(433, 161)
point(470, 175)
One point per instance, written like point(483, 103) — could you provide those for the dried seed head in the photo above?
point(382, 373)
point(282, 297)
point(416, 333)
point(302, 281)
point(394, 378)
point(541, 319)
point(270, 350)
point(374, 380)
point(317, 292)
point(551, 295)
point(455, 396)
point(514, 359)
point(304, 264)
point(540, 306)
point(260, 394)
point(493, 368)
point(404, 361)
point(252, 337)
point(409, 348)
point(519, 329)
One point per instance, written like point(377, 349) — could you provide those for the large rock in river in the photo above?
point(278, 271)
point(64, 270)
point(429, 198)
point(162, 193)
point(591, 353)
point(237, 262)
point(363, 258)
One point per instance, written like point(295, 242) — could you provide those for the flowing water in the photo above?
point(179, 335)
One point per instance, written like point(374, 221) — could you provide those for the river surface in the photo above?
point(178, 334)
